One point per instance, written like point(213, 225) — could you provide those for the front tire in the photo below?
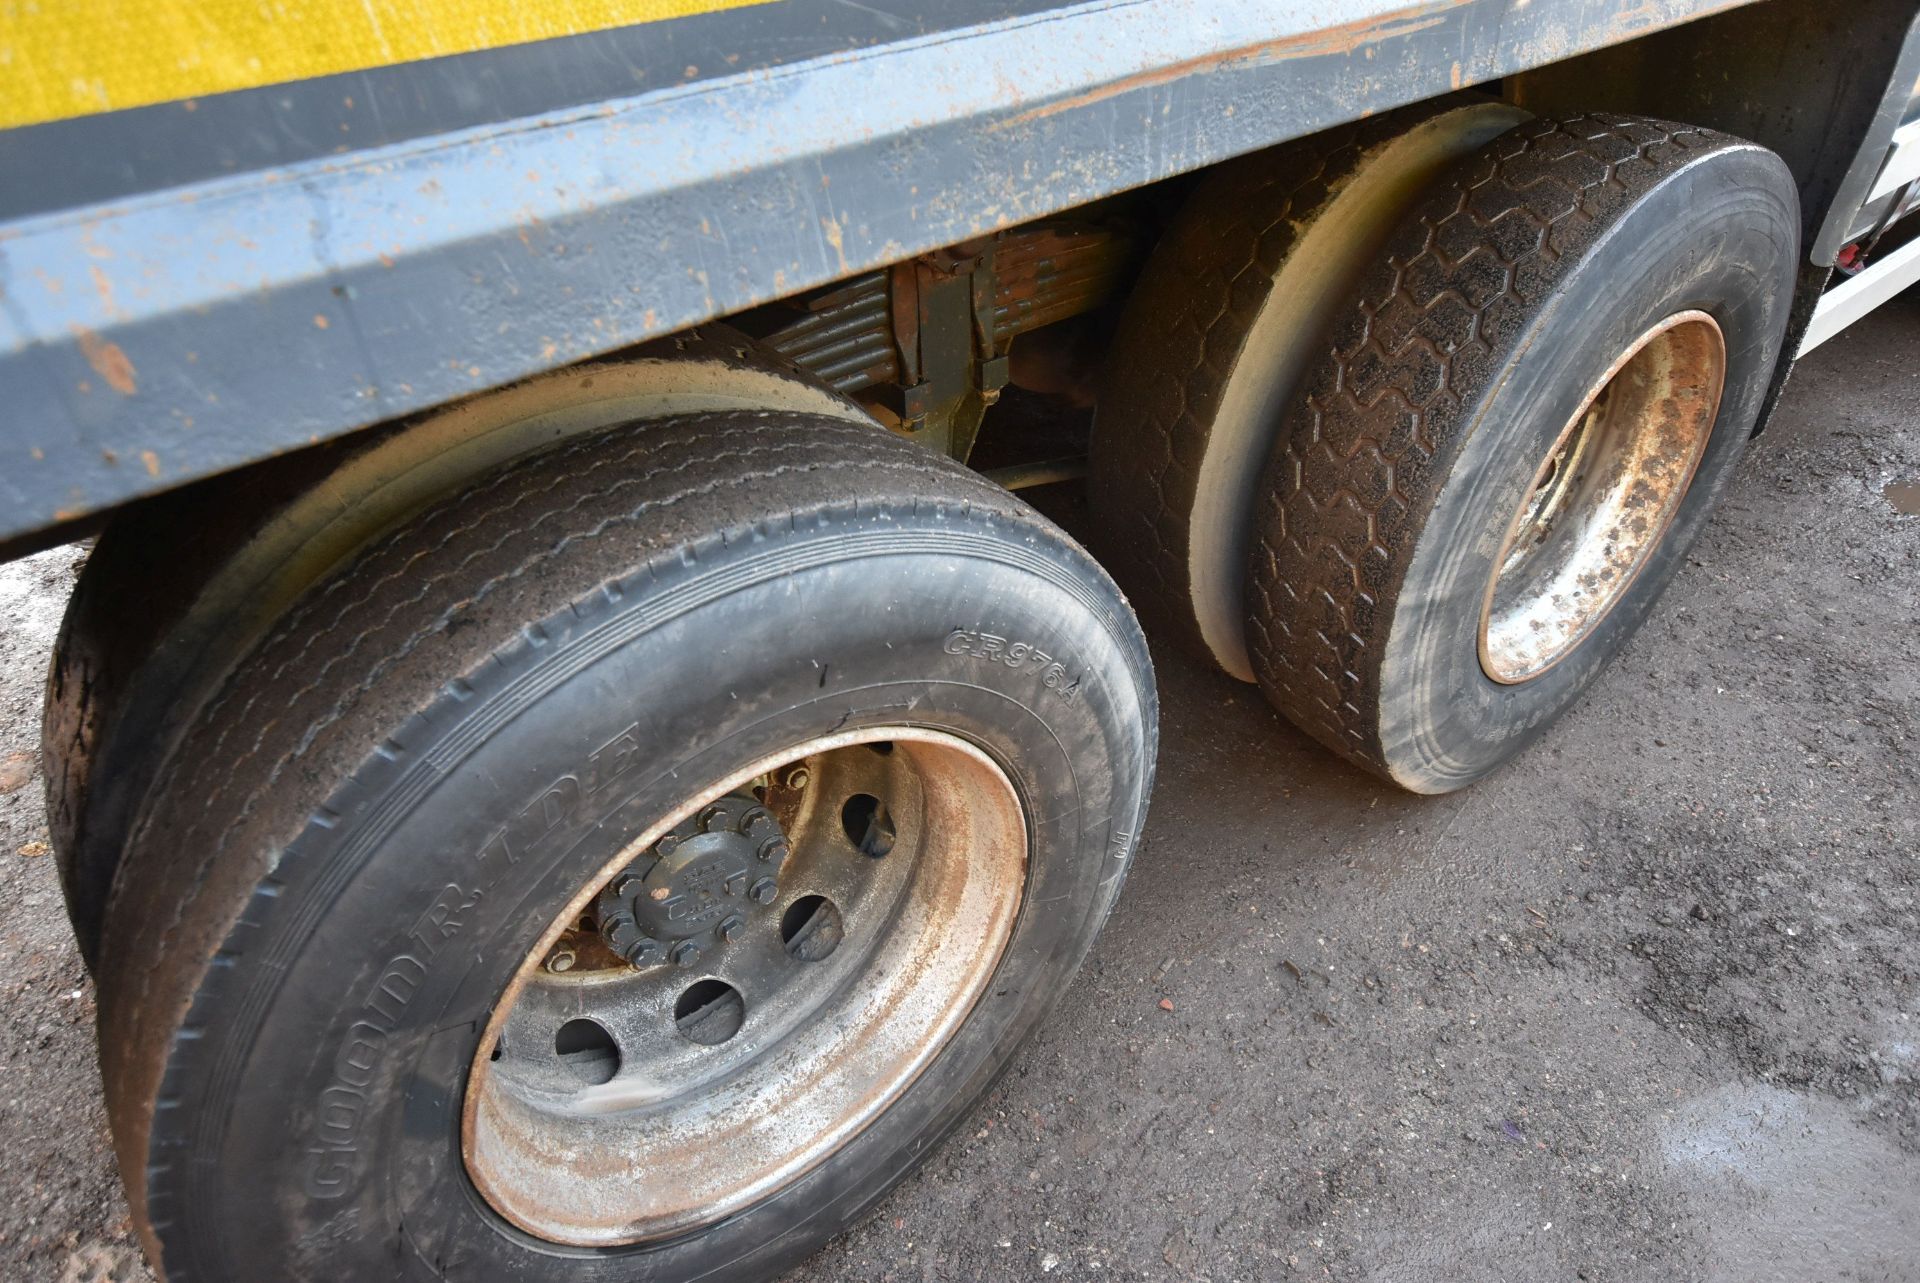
point(447, 752)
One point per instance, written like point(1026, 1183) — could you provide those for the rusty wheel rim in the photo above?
point(618, 1102)
point(1603, 498)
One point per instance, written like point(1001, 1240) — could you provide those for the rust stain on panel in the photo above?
point(1342, 39)
point(104, 288)
point(107, 360)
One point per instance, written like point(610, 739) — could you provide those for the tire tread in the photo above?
point(1182, 329)
point(1363, 456)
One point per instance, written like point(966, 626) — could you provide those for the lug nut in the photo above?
point(560, 960)
point(643, 952)
point(798, 778)
point(684, 954)
point(715, 819)
point(773, 849)
point(627, 886)
point(666, 844)
point(731, 927)
point(763, 891)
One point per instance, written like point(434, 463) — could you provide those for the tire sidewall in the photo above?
point(342, 1129)
point(1718, 236)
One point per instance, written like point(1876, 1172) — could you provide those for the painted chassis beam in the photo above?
point(153, 339)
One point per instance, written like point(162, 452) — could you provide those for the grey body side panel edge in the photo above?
point(154, 339)
point(1870, 157)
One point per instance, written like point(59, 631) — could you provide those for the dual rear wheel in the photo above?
point(1517, 416)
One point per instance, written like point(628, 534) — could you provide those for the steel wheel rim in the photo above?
point(690, 1128)
point(1603, 497)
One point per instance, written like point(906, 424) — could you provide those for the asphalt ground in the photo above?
point(1643, 1006)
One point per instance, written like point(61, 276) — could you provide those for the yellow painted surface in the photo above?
point(61, 58)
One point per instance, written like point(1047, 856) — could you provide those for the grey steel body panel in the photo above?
point(129, 153)
point(278, 294)
point(1881, 188)
point(1890, 147)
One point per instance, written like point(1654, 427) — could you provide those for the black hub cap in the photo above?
point(693, 889)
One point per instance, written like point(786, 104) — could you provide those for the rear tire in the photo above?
point(400, 795)
point(1493, 335)
point(1226, 321)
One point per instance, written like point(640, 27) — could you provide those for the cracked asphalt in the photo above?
point(1644, 1006)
